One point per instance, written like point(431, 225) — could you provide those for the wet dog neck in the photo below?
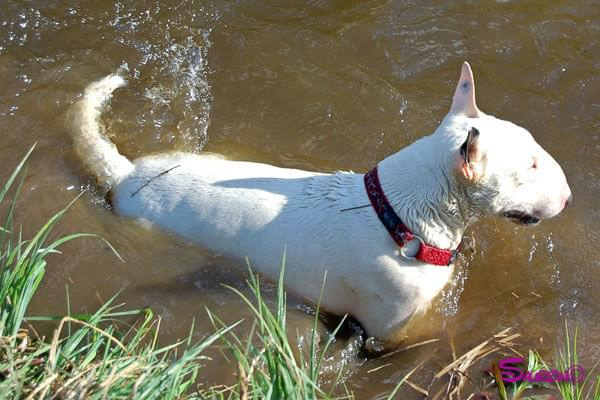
point(426, 195)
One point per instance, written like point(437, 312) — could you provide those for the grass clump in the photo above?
point(268, 366)
point(566, 375)
point(99, 361)
point(92, 357)
point(568, 358)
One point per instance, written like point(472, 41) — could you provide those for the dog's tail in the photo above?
point(98, 153)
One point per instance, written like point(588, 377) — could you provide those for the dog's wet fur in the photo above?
point(474, 165)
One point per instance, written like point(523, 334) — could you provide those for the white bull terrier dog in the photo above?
point(387, 239)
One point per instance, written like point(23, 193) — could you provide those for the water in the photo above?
point(322, 86)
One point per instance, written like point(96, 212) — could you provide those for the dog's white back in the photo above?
point(438, 186)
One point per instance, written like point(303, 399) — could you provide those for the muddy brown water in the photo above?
point(319, 85)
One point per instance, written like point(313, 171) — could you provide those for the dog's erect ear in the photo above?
point(470, 159)
point(463, 101)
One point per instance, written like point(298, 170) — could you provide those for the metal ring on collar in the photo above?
point(413, 258)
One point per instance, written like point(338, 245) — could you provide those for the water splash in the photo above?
point(186, 65)
point(448, 304)
point(173, 64)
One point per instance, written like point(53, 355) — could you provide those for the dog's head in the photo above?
point(501, 168)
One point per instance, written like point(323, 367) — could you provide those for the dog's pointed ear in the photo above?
point(471, 157)
point(463, 101)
